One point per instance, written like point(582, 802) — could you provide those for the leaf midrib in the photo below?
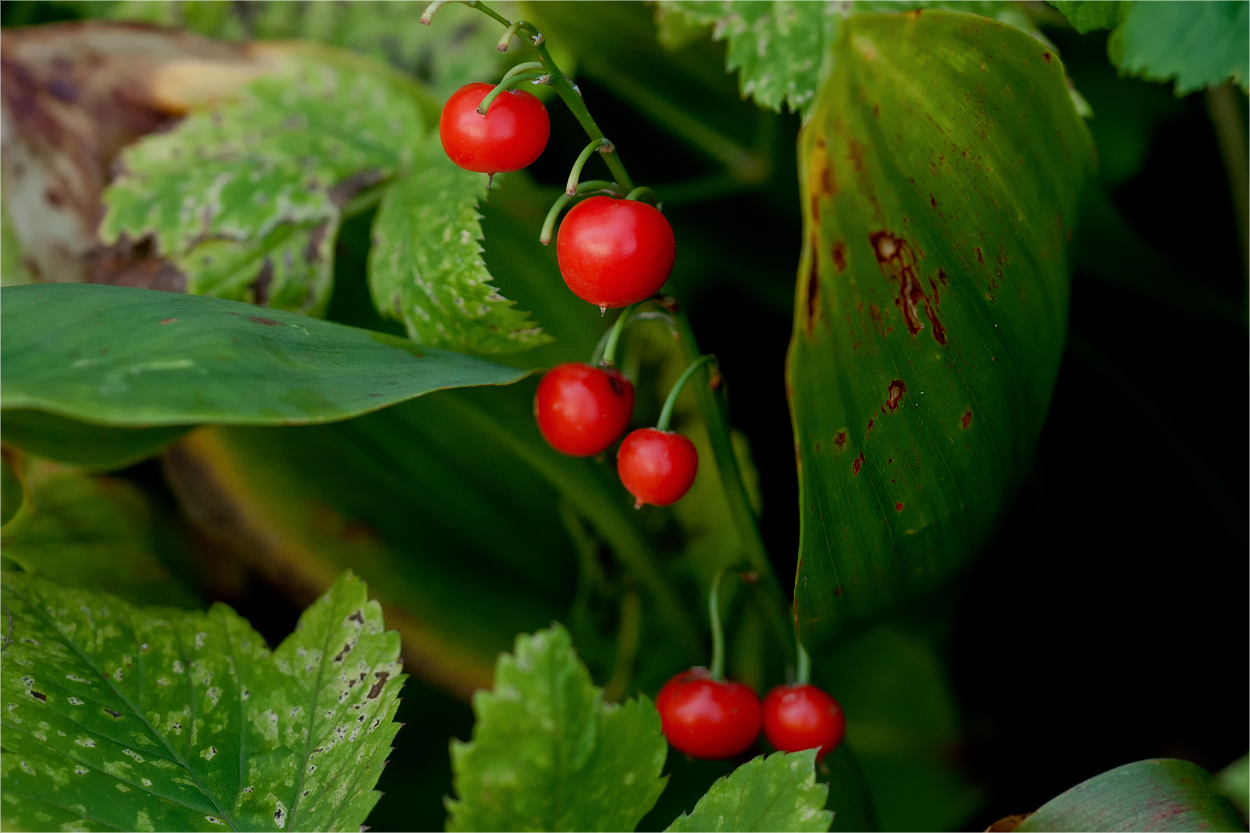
point(137, 713)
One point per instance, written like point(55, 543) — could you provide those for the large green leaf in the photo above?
point(931, 302)
point(548, 754)
point(1197, 44)
point(782, 50)
point(99, 447)
point(160, 719)
point(245, 198)
point(1160, 794)
point(96, 533)
point(778, 792)
point(136, 357)
point(426, 267)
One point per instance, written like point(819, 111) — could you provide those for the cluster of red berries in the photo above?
point(611, 253)
point(709, 718)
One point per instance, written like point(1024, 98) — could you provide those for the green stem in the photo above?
point(553, 214)
point(666, 413)
point(565, 88)
point(774, 601)
point(601, 145)
point(804, 675)
point(509, 81)
point(643, 191)
point(717, 668)
point(614, 335)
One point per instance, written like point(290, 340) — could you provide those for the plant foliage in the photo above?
point(777, 792)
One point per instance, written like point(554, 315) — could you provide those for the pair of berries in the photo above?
point(611, 252)
point(582, 409)
point(709, 718)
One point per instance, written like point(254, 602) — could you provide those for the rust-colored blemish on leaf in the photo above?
point(898, 507)
point(268, 322)
point(839, 255)
point(1046, 57)
point(870, 425)
point(165, 321)
point(837, 591)
point(376, 688)
point(839, 441)
point(895, 391)
point(980, 257)
point(932, 200)
point(894, 257)
point(855, 154)
point(857, 464)
point(965, 421)
point(813, 289)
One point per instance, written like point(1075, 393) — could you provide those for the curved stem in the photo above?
point(504, 39)
point(589, 186)
point(641, 192)
point(804, 675)
point(717, 668)
point(774, 601)
point(506, 84)
point(601, 145)
point(614, 335)
point(666, 414)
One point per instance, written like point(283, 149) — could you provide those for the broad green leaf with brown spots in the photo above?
point(117, 356)
point(126, 718)
point(778, 792)
point(931, 303)
point(426, 266)
point(245, 198)
point(548, 754)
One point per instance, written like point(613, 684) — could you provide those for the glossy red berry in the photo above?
point(582, 409)
point(657, 467)
point(708, 718)
point(613, 252)
point(802, 716)
point(509, 137)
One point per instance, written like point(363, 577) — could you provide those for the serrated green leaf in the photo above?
point(117, 356)
point(777, 792)
point(1158, 794)
point(246, 198)
point(96, 533)
point(782, 49)
point(156, 718)
point(548, 754)
point(426, 267)
point(932, 299)
point(1196, 44)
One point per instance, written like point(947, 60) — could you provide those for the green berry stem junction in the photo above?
point(590, 186)
point(666, 413)
point(717, 668)
point(571, 96)
point(515, 77)
point(601, 145)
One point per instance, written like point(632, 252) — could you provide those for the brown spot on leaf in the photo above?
point(839, 255)
point(268, 322)
point(837, 591)
point(347, 649)
point(896, 391)
point(965, 421)
point(376, 688)
point(813, 290)
point(1046, 57)
point(870, 425)
point(857, 464)
point(897, 264)
point(165, 321)
point(40, 696)
point(112, 713)
point(898, 507)
point(839, 441)
point(357, 616)
point(932, 200)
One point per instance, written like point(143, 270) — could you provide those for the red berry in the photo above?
point(581, 409)
point(708, 718)
point(509, 137)
point(614, 253)
point(800, 717)
point(657, 467)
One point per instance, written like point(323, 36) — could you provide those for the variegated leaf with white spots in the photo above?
point(426, 267)
point(128, 718)
point(774, 793)
point(246, 198)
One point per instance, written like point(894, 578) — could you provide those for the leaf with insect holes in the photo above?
point(426, 267)
point(1197, 44)
point(778, 792)
point(133, 718)
point(548, 754)
point(783, 50)
point(246, 198)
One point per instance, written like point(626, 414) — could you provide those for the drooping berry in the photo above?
point(657, 467)
point(582, 409)
point(708, 718)
point(801, 716)
point(613, 253)
point(511, 135)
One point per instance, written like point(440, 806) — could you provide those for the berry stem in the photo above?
point(614, 335)
point(717, 668)
point(553, 214)
point(666, 414)
point(565, 88)
point(804, 675)
point(512, 79)
point(774, 605)
point(603, 146)
point(643, 192)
